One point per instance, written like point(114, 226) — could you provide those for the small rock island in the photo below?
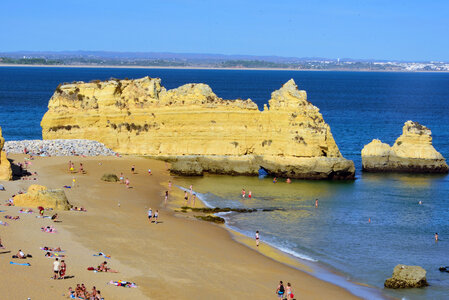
point(198, 132)
point(412, 152)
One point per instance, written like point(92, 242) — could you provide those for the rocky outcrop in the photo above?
point(38, 195)
point(407, 277)
point(197, 131)
point(5, 165)
point(412, 152)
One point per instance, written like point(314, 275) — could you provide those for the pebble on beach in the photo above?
point(58, 148)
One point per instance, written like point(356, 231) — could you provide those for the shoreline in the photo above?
point(178, 258)
point(212, 68)
point(307, 265)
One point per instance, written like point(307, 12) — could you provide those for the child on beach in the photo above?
point(257, 238)
point(150, 214)
point(149, 172)
point(156, 215)
point(122, 178)
point(127, 183)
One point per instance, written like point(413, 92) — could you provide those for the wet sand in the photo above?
point(179, 258)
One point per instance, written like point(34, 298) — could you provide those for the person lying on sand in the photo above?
point(54, 217)
point(12, 218)
point(49, 229)
point(58, 249)
point(49, 254)
point(78, 209)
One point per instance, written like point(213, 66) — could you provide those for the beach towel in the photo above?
point(123, 283)
point(102, 254)
point(3, 223)
point(2, 210)
point(44, 217)
point(19, 264)
point(28, 211)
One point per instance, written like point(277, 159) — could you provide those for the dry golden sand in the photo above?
point(180, 258)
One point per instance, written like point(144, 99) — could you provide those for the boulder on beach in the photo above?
point(5, 165)
point(109, 177)
point(38, 195)
point(407, 277)
point(412, 152)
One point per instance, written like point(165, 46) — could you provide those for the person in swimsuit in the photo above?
point(149, 172)
point(289, 291)
point(249, 194)
point(166, 196)
point(288, 180)
point(316, 202)
point(275, 180)
point(193, 200)
point(133, 168)
point(280, 290)
point(127, 183)
point(122, 178)
point(186, 197)
point(62, 270)
point(243, 193)
point(56, 265)
point(436, 236)
point(257, 238)
point(81, 168)
point(169, 184)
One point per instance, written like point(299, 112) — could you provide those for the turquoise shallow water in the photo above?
point(358, 106)
point(337, 234)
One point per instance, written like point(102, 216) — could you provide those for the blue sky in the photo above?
point(394, 29)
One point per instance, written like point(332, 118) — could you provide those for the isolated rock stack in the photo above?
point(197, 131)
point(412, 152)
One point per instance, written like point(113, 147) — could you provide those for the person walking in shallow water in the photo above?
point(436, 236)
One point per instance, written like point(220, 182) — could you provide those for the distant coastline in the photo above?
point(215, 68)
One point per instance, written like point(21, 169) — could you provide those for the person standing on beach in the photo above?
point(150, 214)
point(62, 270)
point(81, 168)
point(169, 184)
point(156, 215)
point(257, 238)
point(133, 168)
point(166, 196)
point(193, 198)
point(249, 194)
point(186, 197)
point(280, 290)
point(122, 178)
point(56, 266)
point(289, 291)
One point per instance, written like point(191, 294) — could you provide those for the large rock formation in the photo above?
point(407, 277)
point(5, 165)
point(412, 152)
point(197, 131)
point(39, 195)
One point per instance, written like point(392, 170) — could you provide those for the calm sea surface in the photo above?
point(358, 106)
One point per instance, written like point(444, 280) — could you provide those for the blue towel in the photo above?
point(19, 264)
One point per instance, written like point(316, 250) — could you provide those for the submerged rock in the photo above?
point(412, 152)
point(407, 277)
point(5, 165)
point(39, 195)
point(197, 131)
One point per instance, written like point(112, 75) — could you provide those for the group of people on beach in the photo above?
point(81, 292)
point(153, 217)
point(284, 292)
point(59, 269)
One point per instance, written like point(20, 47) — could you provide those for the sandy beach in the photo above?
point(178, 258)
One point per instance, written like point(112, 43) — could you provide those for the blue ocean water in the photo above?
point(358, 106)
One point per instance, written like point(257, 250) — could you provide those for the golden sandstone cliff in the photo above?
point(197, 131)
point(412, 152)
point(5, 165)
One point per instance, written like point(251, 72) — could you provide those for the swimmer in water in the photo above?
point(369, 220)
point(436, 236)
point(420, 202)
point(316, 202)
point(288, 180)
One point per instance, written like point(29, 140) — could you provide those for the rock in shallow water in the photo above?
point(407, 277)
